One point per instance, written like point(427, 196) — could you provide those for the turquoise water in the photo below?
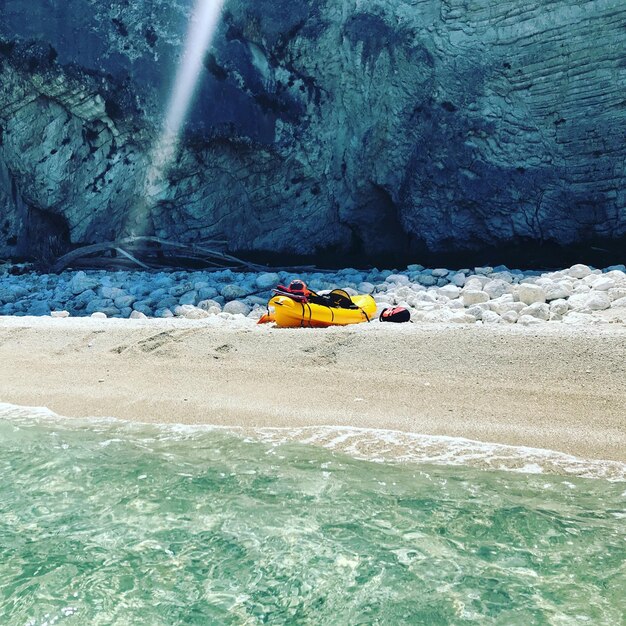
point(106, 523)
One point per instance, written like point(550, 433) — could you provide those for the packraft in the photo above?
point(298, 306)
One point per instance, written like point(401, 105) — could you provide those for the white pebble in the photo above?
point(497, 288)
point(528, 320)
point(472, 296)
point(490, 317)
point(529, 293)
point(540, 310)
point(449, 291)
point(603, 283)
point(236, 307)
point(579, 271)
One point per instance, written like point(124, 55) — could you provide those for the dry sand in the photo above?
point(555, 387)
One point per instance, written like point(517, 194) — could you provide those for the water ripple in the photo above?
point(108, 523)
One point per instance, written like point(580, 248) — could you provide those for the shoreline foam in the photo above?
point(366, 444)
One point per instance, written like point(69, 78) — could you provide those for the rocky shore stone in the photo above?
point(268, 280)
point(530, 293)
point(234, 292)
point(579, 271)
point(496, 288)
point(540, 310)
point(190, 312)
point(472, 296)
point(521, 293)
point(236, 307)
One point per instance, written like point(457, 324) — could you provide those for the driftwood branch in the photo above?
point(155, 253)
point(128, 255)
point(152, 252)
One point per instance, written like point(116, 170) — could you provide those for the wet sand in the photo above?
point(556, 387)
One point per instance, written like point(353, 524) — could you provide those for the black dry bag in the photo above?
point(395, 314)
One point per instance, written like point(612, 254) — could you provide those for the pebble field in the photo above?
point(481, 295)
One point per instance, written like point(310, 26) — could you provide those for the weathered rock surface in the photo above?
point(377, 128)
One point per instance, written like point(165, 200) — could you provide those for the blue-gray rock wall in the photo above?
point(387, 127)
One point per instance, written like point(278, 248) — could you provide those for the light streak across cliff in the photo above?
point(202, 27)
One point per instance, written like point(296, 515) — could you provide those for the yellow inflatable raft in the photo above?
point(289, 313)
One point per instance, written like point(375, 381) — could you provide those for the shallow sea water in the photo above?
point(104, 522)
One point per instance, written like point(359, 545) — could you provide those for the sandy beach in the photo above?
point(552, 387)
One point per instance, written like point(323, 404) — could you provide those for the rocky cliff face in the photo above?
point(387, 127)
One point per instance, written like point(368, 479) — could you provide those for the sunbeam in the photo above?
point(203, 24)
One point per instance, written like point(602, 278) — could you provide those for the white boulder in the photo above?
point(176, 290)
point(81, 282)
point(528, 320)
point(472, 284)
point(540, 310)
point(398, 279)
point(592, 301)
point(530, 293)
point(557, 290)
point(206, 305)
point(474, 278)
point(428, 280)
point(189, 298)
point(602, 283)
point(440, 272)
point(483, 271)
point(510, 316)
point(462, 318)
point(477, 310)
point(501, 304)
point(190, 312)
point(559, 307)
point(111, 292)
point(598, 301)
point(490, 317)
point(234, 291)
point(618, 276)
point(236, 307)
point(473, 296)
point(577, 318)
point(617, 293)
point(506, 276)
point(123, 301)
point(578, 302)
point(449, 291)
point(458, 279)
point(496, 288)
point(267, 280)
point(579, 271)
